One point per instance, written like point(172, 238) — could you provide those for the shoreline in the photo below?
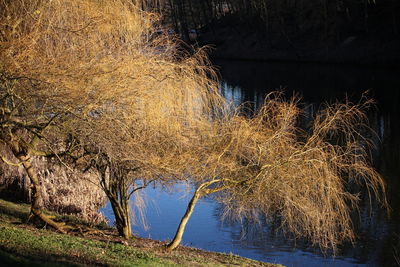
point(29, 244)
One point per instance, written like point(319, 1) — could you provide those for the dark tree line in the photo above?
point(330, 19)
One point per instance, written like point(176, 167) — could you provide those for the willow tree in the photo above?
point(266, 167)
point(36, 94)
point(69, 67)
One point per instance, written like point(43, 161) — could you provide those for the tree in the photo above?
point(89, 81)
point(267, 167)
point(116, 182)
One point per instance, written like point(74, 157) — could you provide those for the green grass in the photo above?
point(23, 244)
point(26, 246)
point(15, 211)
point(48, 246)
point(8, 259)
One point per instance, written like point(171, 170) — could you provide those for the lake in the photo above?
point(378, 242)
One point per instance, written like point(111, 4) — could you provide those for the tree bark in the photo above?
point(114, 181)
point(122, 216)
point(22, 154)
point(181, 228)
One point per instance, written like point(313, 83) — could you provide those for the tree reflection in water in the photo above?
point(378, 242)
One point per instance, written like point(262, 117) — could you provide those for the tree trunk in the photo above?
point(114, 181)
point(174, 16)
point(183, 25)
point(179, 233)
point(22, 154)
point(122, 216)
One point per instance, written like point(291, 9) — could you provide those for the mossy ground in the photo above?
point(25, 243)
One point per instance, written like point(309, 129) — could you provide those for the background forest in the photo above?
point(297, 30)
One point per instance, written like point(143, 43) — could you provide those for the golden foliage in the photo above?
point(267, 167)
point(98, 67)
point(94, 70)
point(93, 74)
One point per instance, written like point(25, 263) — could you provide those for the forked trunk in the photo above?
point(115, 183)
point(122, 217)
point(179, 233)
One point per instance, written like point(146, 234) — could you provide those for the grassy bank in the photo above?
point(30, 244)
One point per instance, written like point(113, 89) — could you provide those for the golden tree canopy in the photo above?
point(101, 62)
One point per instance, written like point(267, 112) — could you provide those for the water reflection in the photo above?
point(378, 243)
point(205, 230)
point(379, 237)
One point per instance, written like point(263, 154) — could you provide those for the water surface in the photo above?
point(378, 242)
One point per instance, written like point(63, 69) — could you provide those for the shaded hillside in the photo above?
point(343, 31)
point(237, 39)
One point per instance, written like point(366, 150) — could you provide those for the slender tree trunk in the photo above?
point(195, 16)
point(22, 154)
point(183, 24)
point(174, 15)
point(179, 233)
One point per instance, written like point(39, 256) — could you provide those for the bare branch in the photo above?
point(9, 162)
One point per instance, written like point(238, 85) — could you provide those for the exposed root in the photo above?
point(93, 232)
point(60, 227)
point(84, 231)
point(31, 215)
point(48, 220)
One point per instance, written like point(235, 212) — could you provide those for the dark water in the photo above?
point(378, 242)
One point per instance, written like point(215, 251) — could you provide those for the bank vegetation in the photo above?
point(88, 89)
